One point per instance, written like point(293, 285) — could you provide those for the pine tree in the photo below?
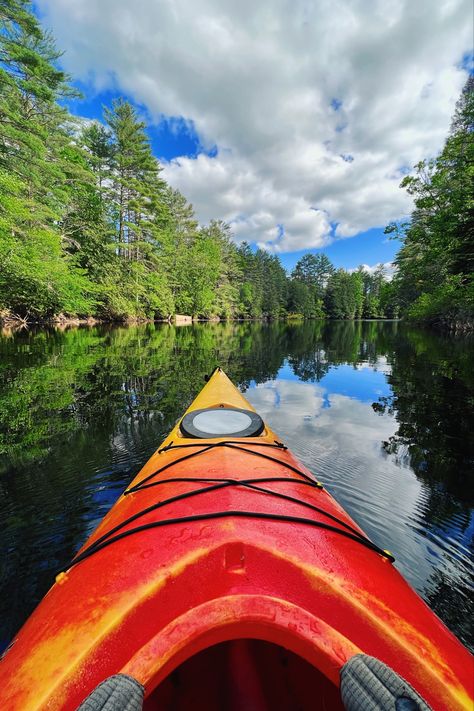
point(137, 206)
point(226, 290)
point(251, 288)
point(314, 270)
point(36, 172)
point(341, 295)
point(137, 187)
point(184, 229)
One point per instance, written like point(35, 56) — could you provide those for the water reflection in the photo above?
point(380, 412)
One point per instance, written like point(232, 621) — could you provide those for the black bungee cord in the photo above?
point(219, 483)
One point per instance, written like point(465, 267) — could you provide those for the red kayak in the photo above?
point(226, 577)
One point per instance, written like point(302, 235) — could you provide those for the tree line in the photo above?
point(88, 226)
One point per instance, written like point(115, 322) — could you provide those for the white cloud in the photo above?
point(341, 444)
point(258, 80)
point(388, 267)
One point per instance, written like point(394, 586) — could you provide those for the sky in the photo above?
point(293, 121)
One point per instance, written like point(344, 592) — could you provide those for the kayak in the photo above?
point(227, 577)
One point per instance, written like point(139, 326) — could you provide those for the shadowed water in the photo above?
point(382, 413)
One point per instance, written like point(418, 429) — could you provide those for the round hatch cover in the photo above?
point(221, 422)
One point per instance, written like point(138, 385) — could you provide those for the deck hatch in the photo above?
point(221, 422)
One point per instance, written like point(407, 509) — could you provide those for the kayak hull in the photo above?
point(235, 564)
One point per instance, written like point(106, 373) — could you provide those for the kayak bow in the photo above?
point(226, 576)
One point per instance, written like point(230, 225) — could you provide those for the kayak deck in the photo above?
point(227, 555)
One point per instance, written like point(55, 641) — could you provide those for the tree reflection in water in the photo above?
point(82, 409)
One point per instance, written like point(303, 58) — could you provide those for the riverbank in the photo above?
point(14, 322)
point(455, 326)
point(10, 320)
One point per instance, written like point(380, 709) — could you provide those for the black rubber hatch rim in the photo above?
point(255, 428)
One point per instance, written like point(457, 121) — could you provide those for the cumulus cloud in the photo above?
point(316, 108)
point(341, 444)
point(389, 269)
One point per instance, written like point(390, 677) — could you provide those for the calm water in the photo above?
point(380, 412)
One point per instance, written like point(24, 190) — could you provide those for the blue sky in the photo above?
point(370, 247)
point(173, 137)
point(364, 383)
point(170, 137)
point(299, 150)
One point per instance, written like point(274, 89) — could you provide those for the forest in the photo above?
point(88, 227)
point(434, 280)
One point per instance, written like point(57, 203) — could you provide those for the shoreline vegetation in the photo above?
point(91, 233)
point(14, 322)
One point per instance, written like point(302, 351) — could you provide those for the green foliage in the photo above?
point(388, 300)
point(300, 298)
point(373, 285)
point(358, 291)
point(341, 295)
point(314, 270)
point(436, 261)
point(88, 226)
point(455, 297)
point(263, 288)
point(38, 173)
point(308, 284)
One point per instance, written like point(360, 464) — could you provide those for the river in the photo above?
point(381, 412)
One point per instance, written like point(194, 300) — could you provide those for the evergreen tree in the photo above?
point(358, 285)
point(184, 229)
point(372, 307)
point(341, 295)
point(136, 201)
point(97, 142)
point(38, 173)
point(435, 279)
point(300, 298)
point(251, 286)
point(138, 192)
point(273, 284)
point(314, 270)
point(227, 289)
